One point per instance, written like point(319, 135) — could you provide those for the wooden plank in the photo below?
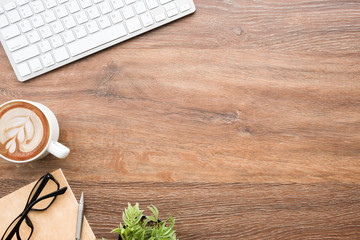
point(230, 210)
point(229, 119)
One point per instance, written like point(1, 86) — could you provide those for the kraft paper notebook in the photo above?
point(58, 222)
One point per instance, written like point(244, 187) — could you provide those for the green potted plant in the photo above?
point(140, 227)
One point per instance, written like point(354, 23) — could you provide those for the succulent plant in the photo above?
point(137, 226)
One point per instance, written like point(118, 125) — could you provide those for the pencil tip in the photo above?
point(82, 197)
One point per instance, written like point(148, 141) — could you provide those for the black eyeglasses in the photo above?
point(41, 197)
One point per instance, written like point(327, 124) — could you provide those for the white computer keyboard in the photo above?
point(41, 35)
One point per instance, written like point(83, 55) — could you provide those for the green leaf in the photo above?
point(126, 220)
point(172, 220)
point(146, 221)
point(167, 231)
point(154, 211)
point(117, 230)
point(151, 218)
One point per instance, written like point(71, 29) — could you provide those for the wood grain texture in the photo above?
point(245, 114)
point(230, 210)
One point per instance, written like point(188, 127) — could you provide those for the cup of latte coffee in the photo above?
point(28, 131)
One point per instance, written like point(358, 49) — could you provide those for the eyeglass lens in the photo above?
point(40, 191)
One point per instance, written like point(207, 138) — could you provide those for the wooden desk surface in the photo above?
point(242, 120)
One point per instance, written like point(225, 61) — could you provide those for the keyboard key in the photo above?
point(60, 54)
point(44, 46)
point(104, 22)
point(37, 6)
point(25, 53)
point(117, 4)
point(69, 22)
point(23, 69)
point(50, 3)
point(57, 27)
point(3, 21)
point(80, 31)
point(10, 6)
point(61, 11)
point(115, 17)
point(1, 10)
point(93, 12)
point(97, 39)
point(25, 26)
point(26, 11)
point(56, 41)
point(73, 6)
point(92, 27)
point(49, 16)
point(147, 19)
point(35, 65)
point(105, 7)
point(140, 7)
point(172, 12)
point(184, 7)
point(47, 60)
point(10, 32)
point(33, 36)
point(152, 4)
point(128, 12)
point(21, 2)
point(17, 43)
point(81, 17)
point(37, 21)
point(170, 6)
point(45, 32)
point(68, 36)
point(14, 16)
point(160, 17)
point(133, 24)
point(85, 3)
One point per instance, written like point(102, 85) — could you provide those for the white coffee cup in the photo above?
point(52, 146)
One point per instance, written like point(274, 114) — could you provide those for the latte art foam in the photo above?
point(23, 131)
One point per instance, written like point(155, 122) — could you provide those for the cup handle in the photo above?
point(58, 150)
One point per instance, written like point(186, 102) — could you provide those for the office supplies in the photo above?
point(40, 198)
point(80, 218)
point(41, 35)
point(58, 222)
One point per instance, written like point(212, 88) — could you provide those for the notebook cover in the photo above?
point(58, 222)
